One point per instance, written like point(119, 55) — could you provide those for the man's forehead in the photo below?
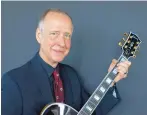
point(56, 15)
point(54, 21)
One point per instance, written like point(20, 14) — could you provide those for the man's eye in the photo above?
point(53, 33)
point(67, 36)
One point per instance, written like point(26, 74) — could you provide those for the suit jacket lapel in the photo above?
point(42, 81)
point(68, 94)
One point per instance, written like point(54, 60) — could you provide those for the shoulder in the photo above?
point(71, 72)
point(11, 93)
point(69, 68)
point(16, 73)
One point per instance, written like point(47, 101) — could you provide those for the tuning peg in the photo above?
point(137, 42)
point(124, 39)
point(125, 46)
point(129, 41)
point(120, 44)
point(135, 47)
point(126, 34)
point(136, 52)
point(134, 56)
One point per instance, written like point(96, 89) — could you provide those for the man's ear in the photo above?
point(38, 35)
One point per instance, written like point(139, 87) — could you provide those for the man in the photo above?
point(43, 79)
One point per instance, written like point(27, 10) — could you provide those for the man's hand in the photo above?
point(122, 69)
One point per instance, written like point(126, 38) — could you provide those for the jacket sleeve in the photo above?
point(111, 98)
point(109, 101)
point(11, 97)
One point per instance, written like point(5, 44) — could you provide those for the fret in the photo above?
point(111, 75)
point(104, 85)
point(87, 109)
point(108, 80)
point(102, 89)
point(98, 93)
point(91, 103)
point(82, 113)
point(95, 99)
point(123, 59)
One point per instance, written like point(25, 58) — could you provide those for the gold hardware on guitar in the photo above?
point(120, 44)
point(129, 41)
point(135, 53)
point(126, 34)
point(124, 39)
point(126, 46)
point(135, 47)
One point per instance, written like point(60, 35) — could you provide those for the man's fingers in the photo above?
point(122, 69)
point(125, 64)
point(113, 63)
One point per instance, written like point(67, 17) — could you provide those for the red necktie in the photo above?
point(58, 87)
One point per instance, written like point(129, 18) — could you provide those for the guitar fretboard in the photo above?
point(100, 91)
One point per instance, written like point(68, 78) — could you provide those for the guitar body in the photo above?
point(58, 109)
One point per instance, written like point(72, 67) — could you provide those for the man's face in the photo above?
point(55, 38)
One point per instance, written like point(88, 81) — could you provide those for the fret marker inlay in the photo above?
point(115, 71)
point(89, 108)
point(102, 89)
point(97, 97)
point(108, 80)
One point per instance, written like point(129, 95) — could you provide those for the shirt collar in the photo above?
point(48, 68)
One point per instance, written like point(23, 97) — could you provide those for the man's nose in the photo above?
point(61, 40)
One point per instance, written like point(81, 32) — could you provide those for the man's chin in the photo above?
point(58, 60)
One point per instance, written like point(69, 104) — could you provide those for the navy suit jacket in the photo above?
point(26, 90)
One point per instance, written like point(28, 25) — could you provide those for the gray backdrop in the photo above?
point(98, 28)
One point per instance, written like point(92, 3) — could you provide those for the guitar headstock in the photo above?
point(131, 45)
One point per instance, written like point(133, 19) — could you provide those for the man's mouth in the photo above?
point(59, 51)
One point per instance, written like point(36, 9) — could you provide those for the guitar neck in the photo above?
point(100, 91)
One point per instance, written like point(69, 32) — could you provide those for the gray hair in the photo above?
point(40, 24)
